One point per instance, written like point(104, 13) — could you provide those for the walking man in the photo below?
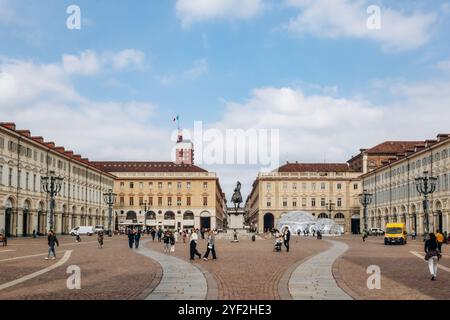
point(193, 245)
point(211, 246)
point(130, 238)
point(439, 239)
point(100, 239)
point(432, 255)
point(137, 238)
point(52, 241)
point(286, 238)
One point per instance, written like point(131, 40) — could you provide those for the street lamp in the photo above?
point(145, 208)
point(330, 207)
point(365, 199)
point(110, 199)
point(426, 185)
point(52, 186)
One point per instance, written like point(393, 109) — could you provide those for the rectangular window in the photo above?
point(322, 186)
point(1, 175)
point(303, 202)
point(179, 201)
point(19, 178)
point(169, 185)
point(34, 183)
point(294, 186)
point(313, 202)
point(355, 186)
point(141, 201)
point(141, 185)
point(269, 204)
point(179, 185)
point(285, 186)
point(205, 185)
point(285, 203)
point(10, 177)
point(150, 185)
point(304, 186)
point(122, 185)
point(322, 202)
point(2, 142)
point(131, 201)
point(268, 187)
point(339, 186)
point(313, 187)
point(188, 185)
point(169, 201)
point(27, 181)
point(160, 201)
point(294, 203)
point(160, 185)
point(131, 185)
point(188, 201)
point(339, 202)
point(150, 201)
point(205, 201)
point(122, 201)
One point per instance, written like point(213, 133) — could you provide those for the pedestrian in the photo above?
point(52, 241)
point(3, 240)
point(319, 235)
point(314, 233)
point(445, 237)
point(34, 233)
point(235, 237)
point(130, 238)
point(137, 238)
point(413, 235)
point(172, 241)
point(160, 234)
point(166, 241)
point(193, 245)
point(184, 236)
point(100, 239)
point(432, 255)
point(77, 237)
point(153, 233)
point(364, 235)
point(211, 246)
point(439, 239)
point(286, 238)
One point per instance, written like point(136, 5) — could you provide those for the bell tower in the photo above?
point(184, 150)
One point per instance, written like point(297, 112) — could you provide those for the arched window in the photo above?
point(131, 215)
point(151, 215)
point(169, 215)
point(322, 216)
point(188, 215)
point(339, 216)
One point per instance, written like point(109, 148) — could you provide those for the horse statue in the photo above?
point(237, 197)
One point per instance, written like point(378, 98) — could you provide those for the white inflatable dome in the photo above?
point(300, 221)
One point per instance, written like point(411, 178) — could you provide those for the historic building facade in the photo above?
point(395, 198)
point(24, 205)
point(177, 195)
point(306, 187)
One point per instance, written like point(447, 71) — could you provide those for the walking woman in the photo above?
point(100, 239)
point(432, 255)
point(193, 245)
point(52, 241)
point(166, 241)
point(211, 246)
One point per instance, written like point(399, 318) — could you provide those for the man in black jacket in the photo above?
point(287, 238)
point(52, 241)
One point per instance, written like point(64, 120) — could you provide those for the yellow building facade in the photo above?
point(306, 187)
point(166, 195)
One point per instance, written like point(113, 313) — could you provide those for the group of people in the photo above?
point(134, 236)
point(281, 238)
point(193, 242)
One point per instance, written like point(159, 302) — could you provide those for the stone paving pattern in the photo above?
point(249, 270)
point(114, 272)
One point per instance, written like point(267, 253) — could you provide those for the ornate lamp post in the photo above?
point(365, 199)
point(426, 185)
point(145, 208)
point(330, 207)
point(52, 186)
point(110, 199)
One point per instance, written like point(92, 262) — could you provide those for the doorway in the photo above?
point(8, 215)
point(205, 222)
point(25, 223)
point(269, 222)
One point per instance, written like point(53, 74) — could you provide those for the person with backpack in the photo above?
point(52, 241)
point(432, 255)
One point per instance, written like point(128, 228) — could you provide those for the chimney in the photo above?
point(9, 125)
point(50, 144)
point(38, 139)
point(25, 133)
point(69, 153)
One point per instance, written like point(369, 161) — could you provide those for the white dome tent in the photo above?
point(300, 221)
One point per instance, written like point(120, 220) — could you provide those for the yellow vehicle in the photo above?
point(395, 233)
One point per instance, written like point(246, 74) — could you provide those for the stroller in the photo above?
point(278, 244)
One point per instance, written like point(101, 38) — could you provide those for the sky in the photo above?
point(314, 71)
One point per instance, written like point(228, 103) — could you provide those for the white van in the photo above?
point(87, 230)
point(99, 228)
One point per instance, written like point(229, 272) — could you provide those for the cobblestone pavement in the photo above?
point(114, 272)
point(181, 280)
point(249, 270)
point(313, 279)
point(403, 274)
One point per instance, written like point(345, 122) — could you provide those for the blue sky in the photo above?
point(146, 61)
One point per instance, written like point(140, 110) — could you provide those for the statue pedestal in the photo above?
point(236, 221)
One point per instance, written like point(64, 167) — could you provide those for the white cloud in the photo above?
point(190, 11)
point(198, 68)
point(345, 18)
point(128, 58)
point(444, 65)
point(41, 97)
point(89, 62)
